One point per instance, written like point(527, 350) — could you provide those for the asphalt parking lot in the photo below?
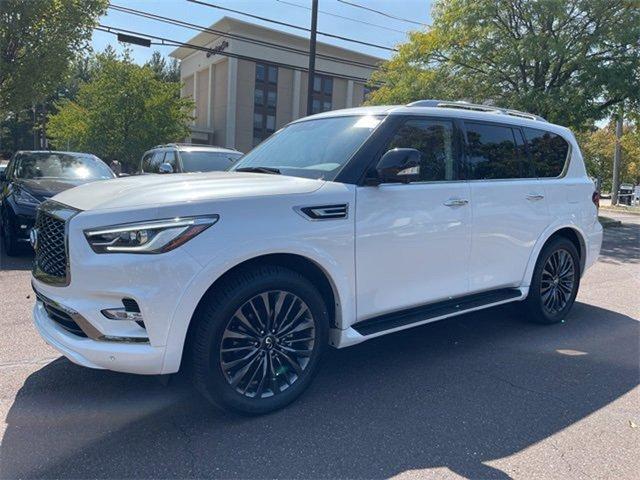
point(484, 395)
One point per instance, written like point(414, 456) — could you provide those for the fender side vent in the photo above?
point(325, 212)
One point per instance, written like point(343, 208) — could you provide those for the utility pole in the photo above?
point(312, 55)
point(615, 184)
point(35, 131)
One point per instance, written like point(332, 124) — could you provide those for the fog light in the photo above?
point(122, 314)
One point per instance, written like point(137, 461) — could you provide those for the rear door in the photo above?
point(413, 240)
point(508, 205)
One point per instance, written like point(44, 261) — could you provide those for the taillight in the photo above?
point(595, 198)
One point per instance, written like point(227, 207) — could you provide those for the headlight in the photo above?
point(24, 198)
point(148, 237)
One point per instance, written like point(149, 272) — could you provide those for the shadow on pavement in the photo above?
point(23, 261)
point(621, 244)
point(455, 394)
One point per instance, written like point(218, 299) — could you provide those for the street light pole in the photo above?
point(312, 55)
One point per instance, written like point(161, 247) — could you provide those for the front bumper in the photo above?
point(98, 282)
point(121, 357)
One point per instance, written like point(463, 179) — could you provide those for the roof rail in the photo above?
point(475, 107)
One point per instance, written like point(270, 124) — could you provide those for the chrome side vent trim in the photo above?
point(324, 212)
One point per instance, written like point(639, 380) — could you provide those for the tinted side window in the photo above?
point(146, 162)
point(548, 152)
point(493, 153)
point(172, 159)
point(435, 140)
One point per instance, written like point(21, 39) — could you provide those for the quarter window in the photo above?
point(548, 152)
point(322, 94)
point(495, 152)
point(435, 141)
point(265, 100)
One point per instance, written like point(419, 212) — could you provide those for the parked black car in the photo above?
point(34, 176)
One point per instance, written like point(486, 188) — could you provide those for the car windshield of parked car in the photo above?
point(207, 161)
point(61, 165)
point(311, 148)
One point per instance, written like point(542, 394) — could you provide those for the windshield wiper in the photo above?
point(273, 171)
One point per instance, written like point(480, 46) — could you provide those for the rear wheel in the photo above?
point(555, 282)
point(259, 339)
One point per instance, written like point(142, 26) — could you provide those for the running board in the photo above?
point(409, 316)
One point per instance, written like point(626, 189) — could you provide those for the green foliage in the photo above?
point(597, 149)
point(121, 112)
point(165, 71)
point(567, 60)
point(38, 40)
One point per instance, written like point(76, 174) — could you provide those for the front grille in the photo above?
point(51, 253)
point(51, 261)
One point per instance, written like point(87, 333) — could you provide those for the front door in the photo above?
point(413, 240)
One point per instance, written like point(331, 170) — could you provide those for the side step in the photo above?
point(393, 320)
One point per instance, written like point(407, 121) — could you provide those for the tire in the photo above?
point(9, 242)
point(555, 282)
point(226, 343)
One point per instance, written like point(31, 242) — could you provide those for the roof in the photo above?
point(195, 147)
point(443, 111)
point(259, 32)
point(63, 152)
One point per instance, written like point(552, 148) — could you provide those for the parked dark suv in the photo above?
point(34, 176)
point(180, 158)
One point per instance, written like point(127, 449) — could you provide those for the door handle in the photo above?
point(534, 197)
point(456, 202)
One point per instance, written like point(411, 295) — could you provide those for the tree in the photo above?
point(569, 61)
point(597, 149)
point(167, 72)
point(121, 112)
point(38, 40)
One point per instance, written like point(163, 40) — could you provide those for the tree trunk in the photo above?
point(615, 184)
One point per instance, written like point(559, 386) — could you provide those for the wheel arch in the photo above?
point(299, 263)
point(571, 233)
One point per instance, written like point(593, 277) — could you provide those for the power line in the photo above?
point(290, 25)
point(176, 43)
point(329, 14)
point(388, 15)
point(235, 36)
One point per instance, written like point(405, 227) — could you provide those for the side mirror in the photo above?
point(400, 165)
point(165, 168)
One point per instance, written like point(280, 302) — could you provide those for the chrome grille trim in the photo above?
point(51, 262)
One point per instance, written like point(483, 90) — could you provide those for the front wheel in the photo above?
point(555, 282)
point(9, 241)
point(258, 340)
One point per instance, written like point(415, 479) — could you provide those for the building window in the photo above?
point(322, 93)
point(265, 99)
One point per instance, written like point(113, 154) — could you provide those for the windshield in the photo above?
point(312, 148)
point(61, 165)
point(205, 161)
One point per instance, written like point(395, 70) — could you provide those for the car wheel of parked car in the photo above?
point(9, 242)
point(258, 340)
point(555, 282)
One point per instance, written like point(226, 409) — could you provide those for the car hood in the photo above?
point(43, 188)
point(154, 190)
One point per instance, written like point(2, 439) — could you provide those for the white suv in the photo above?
point(339, 228)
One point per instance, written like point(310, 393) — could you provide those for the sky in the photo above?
point(388, 32)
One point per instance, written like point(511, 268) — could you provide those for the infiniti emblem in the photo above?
point(33, 238)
